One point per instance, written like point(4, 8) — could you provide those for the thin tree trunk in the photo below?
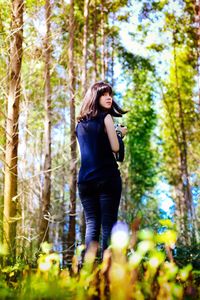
point(73, 171)
point(197, 21)
point(180, 213)
point(64, 204)
point(23, 231)
point(103, 70)
point(46, 192)
point(106, 56)
point(63, 223)
point(11, 157)
point(85, 45)
point(84, 82)
point(188, 207)
point(2, 157)
point(180, 202)
point(196, 4)
point(95, 42)
point(113, 53)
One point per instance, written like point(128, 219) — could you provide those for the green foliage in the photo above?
point(188, 255)
point(178, 119)
point(171, 129)
point(140, 168)
point(143, 269)
point(134, 64)
point(141, 121)
point(32, 4)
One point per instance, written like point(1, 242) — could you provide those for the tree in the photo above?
point(72, 182)
point(85, 45)
point(46, 192)
point(103, 41)
point(181, 121)
point(178, 135)
point(5, 13)
point(95, 28)
point(11, 156)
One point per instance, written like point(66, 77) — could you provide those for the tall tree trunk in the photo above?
point(197, 21)
point(103, 68)
point(180, 212)
point(85, 50)
point(63, 224)
point(112, 53)
point(186, 188)
point(11, 157)
point(106, 59)
point(22, 230)
point(73, 162)
point(64, 204)
point(2, 158)
point(46, 192)
point(95, 42)
point(84, 84)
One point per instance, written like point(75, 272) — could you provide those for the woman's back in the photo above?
point(97, 159)
point(99, 181)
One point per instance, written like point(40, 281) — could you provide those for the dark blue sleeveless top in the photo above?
point(97, 159)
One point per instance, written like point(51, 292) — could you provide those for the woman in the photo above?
point(99, 181)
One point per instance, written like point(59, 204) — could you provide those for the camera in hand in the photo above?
point(118, 131)
point(120, 154)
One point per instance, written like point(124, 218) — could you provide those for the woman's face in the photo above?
point(105, 101)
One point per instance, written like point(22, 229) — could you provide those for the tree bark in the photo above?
point(85, 50)
point(72, 184)
point(112, 53)
point(103, 67)
point(95, 42)
point(11, 157)
point(46, 192)
point(197, 21)
point(180, 213)
point(23, 188)
point(84, 82)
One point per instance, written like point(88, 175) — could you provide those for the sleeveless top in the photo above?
point(97, 159)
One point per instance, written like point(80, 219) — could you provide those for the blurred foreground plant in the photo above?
point(138, 265)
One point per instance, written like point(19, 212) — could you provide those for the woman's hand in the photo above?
point(123, 130)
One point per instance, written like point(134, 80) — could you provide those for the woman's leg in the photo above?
point(89, 197)
point(110, 194)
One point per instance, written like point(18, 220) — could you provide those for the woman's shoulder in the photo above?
point(103, 114)
point(91, 121)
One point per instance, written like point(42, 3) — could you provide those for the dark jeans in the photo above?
point(100, 202)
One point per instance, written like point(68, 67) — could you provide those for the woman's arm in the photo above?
point(112, 136)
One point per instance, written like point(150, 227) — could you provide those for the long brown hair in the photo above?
point(91, 108)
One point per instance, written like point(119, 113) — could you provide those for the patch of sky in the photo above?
point(175, 7)
point(58, 132)
point(66, 187)
point(194, 181)
point(120, 82)
point(132, 40)
point(162, 192)
point(29, 163)
point(135, 41)
point(39, 22)
point(61, 71)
